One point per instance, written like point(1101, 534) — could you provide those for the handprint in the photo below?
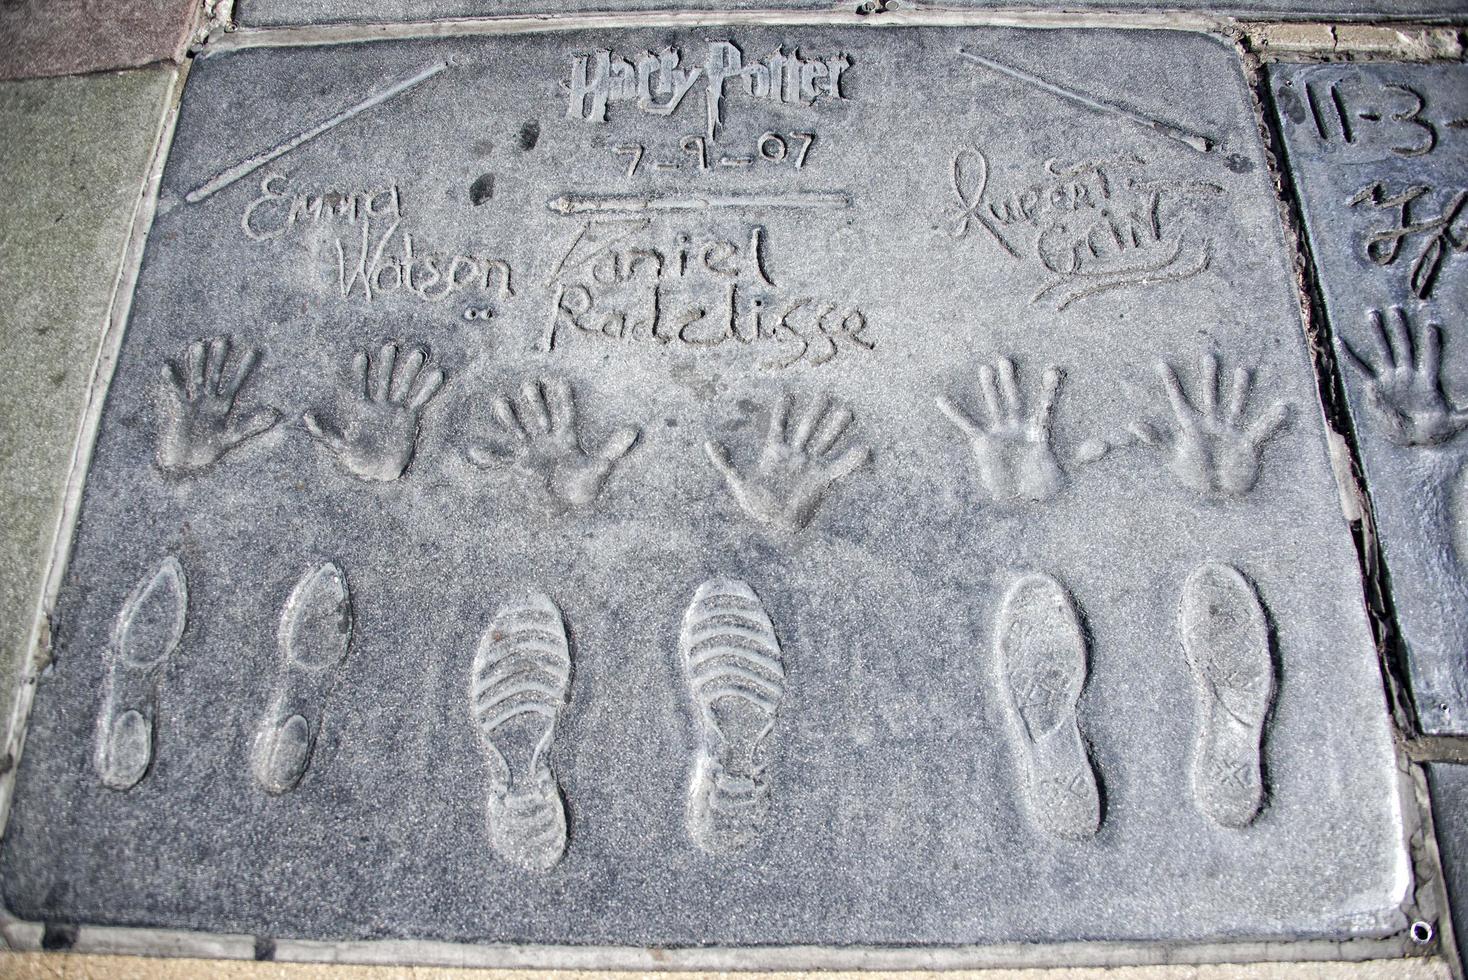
point(1404, 386)
point(796, 467)
point(379, 425)
point(547, 445)
point(1211, 450)
point(198, 421)
point(1016, 461)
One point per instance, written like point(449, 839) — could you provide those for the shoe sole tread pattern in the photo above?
point(729, 651)
point(523, 668)
point(1225, 637)
point(1040, 650)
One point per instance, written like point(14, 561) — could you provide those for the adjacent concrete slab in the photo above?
point(273, 13)
point(1378, 153)
point(526, 588)
point(1449, 788)
point(280, 13)
point(40, 38)
point(75, 157)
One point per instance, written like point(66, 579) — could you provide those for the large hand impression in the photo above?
point(795, 468)
point(1016, 461)
point(1211, 450)
point(1404, 385)
point(547, 444)
point(198, 421)
point(379, 424)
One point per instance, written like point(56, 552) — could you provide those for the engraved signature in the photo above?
point(1437, 236)
point(616, 284)
point(371, 251)
point(1094, 225)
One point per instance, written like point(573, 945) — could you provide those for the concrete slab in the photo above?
point(526, 588)
point(43, 38)
point(274, 13)
point(1449, 786)
point(75, 158)
point(1378, 153)
point(280, 13)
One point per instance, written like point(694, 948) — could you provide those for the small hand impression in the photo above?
point(198, 422)
point(1012, 447)
point(1211, 450)
point(378, 428)
point(546, 443)
point(796, 466)
point(1404, 382)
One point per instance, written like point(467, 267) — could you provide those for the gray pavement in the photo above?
point(76, 155)
point(588, 491)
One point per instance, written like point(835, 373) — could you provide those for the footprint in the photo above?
point(1041, 653)
point(146, 633)
point(737, 681)
point(1226, 642)
point(522, 676)
point(315, 632)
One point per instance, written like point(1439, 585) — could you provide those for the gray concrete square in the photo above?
point(1377, 154)
point(76, 156)
point(43, 38)
point(672, 488)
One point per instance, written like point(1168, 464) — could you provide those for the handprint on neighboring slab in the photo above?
point(796, 466)
point(198, 422)
point(547, 443)
point(1404, 382)
point(378, 429)
point(1212, 451)
point(1016, 460)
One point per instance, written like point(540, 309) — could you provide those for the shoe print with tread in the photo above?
point(520, 684)
point(736, 677)
point(1041, 653)
point(314, 636)
point(146, 633)
point(1226, 642)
